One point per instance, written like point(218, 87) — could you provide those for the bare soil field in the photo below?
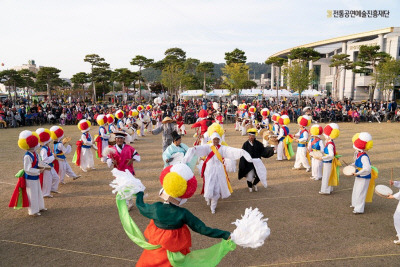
point(82, 227)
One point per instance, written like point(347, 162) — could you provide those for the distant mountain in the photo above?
point(256, 69)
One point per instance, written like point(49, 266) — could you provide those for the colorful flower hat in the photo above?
point(84, 125)
point(178, 181)
point(264, 112)
point(110, 118)
point(332, 130)
point(284, 120)
point(119, 114)
point(133, 113)
point(275, 117)
point(148, 107)
point(252, 109)
point(44, 135)
point(316, 130)
point(101, 120)
point(56, 133)
point(362, 141)
point(140, 108)
point(28, 140)
point(304, 120)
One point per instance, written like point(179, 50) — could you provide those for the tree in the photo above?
point(174, 55)
point(304, 54)
point(368, 59)
point(300, 76)
point(171, 77)
point(156, 87)
point(249, 84)
point(205, 68)
point(387, 75)
point(80, 78)
point(235, 76)
point(28, 77)
point(125, 77)
point(102, 75)
point(236, 56)
point(49, 77)
point(340, 62)
point(191, 65)
point(94, 60)
point(277, 62)
point(12, 79)
point(141, 62)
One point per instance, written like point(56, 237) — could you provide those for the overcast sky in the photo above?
point(60, 33)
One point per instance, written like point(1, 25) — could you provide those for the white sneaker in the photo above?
point(312, 178)
point(208, 202)
point(213, 211)
point(322, 193)
point(250, 189)
point(308, 170)
point(397, 242)
point(255, 188)
point(84, 170)
point(76, 177)
point(295, 168)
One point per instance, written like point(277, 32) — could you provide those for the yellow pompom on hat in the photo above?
point(362, 141)
point(215, 127)
point(56, 133)
point(133, 113)
point(284, 120)
point(304, 120)
point(28, 140)
point(332, 130)
point(178, 181)
point(316, 130)
point(84, 125)
point(101, 119)
point(119, 114)
point(275, 117)
point(44, 135)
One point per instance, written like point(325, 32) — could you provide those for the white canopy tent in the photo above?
point(219, 92)
point(250, 92)
point(193, 93)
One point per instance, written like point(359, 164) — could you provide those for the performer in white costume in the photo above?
point(60, 150)
point(302, 139)
point(86, 156)
point(50, 177)
point(316, 144)
point(215, 179)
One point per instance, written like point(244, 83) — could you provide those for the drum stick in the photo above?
point(391, 177)
point(345, 163)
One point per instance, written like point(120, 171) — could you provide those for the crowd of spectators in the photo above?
point(322, 110)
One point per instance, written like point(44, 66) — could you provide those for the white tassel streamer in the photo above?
point(251, 230)
point(125, 184)
point(108, 151)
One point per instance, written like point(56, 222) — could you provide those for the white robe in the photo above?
point(64, 167)
point(316, 164)
point(280, 150)
point(104, 142)
point(50, 177)
point(301, 153)
point(360, 187)
point(214, 175)
point(33, 190)
point(327, 168)
point(86, 154)
point(396, 215)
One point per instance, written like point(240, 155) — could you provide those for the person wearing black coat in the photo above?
point(256, 150)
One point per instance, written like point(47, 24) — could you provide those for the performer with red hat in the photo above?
point(50, 177)
point(302, 157)
point(83, 152)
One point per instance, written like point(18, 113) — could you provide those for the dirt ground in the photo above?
point(82, 227)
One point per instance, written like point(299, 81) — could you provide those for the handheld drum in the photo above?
point(349, 170)
point(383, 190)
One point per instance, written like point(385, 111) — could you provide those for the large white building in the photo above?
point(350, 84)
point(30, 66)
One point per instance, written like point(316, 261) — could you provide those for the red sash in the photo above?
point(99, 144)
point(78, 152)
point(334, 147)
point(316, 140)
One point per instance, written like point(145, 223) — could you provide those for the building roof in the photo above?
point(338, 40)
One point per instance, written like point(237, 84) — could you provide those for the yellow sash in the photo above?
point(308, 157)
point(334, 177)
point(285, 141)
point(219, 157)
point(371, 187)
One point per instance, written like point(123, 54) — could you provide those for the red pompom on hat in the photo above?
point(203, 113)
point(56, 132)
